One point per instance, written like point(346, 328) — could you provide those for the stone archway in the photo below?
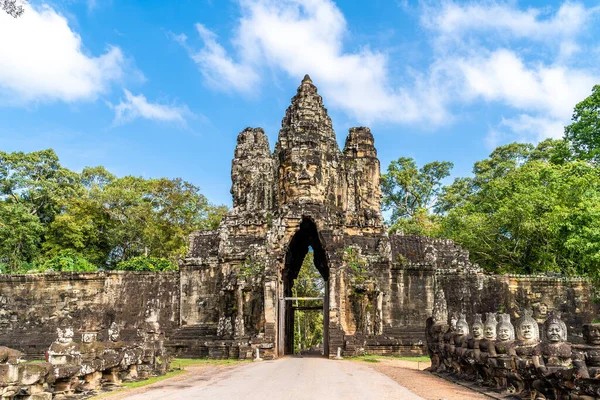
point(307, 236)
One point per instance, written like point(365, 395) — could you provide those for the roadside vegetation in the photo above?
point(526, 209)
point(55, 219)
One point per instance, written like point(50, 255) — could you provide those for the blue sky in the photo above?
point(162, 88)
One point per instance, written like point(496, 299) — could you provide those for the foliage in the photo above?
point(143, 263)
point(358, 267)
point(251, 268)
point(45, 210)
point(308, 330)
point(410, 192)
point(407, 189)
point(527, 210)
point(584, 131)
point(14, 8)
point(67, 261)
point(20, 236)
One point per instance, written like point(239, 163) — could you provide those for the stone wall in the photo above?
point(33, 306)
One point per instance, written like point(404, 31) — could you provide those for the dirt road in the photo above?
point(287, 378)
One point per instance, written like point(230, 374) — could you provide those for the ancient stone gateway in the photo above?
point(307, 193)
point(379, 288)
point(228, 299)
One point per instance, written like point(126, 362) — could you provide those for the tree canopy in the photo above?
point(525, 209)
point(54, 218)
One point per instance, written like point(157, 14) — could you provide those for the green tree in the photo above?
point(526, 210)
point(142, 263)
point(308, 330)
point(20, 236)
point(47, 211)
point(584, 131)
point(14, 8)
point(410, 192)
point(67, 261)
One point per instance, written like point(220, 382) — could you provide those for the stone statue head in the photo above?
point(88, 337)
point(462, 327)
point(489, 328)
point(113, 332)
point(505, 330)
point(555, 330)
point(65, 334)
point(543, 309)
point(477, 327)
point(591, 334)
point(527, 327)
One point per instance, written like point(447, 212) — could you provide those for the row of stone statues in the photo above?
point(515, 359)
point(83, 367)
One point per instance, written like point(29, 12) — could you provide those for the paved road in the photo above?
point(289, 378)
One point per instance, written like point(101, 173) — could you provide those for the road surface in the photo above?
point(289, 378)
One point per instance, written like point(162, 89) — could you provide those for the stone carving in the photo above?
point(517, 364)
point(502, 353)
point(23, 381)
point(84, 367)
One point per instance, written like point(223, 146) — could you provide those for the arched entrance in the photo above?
point(306, 237)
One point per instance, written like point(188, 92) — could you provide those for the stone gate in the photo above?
point(228, 299)
point(308, 193)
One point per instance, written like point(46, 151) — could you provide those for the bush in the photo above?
point(66, 261)
point(142, 263)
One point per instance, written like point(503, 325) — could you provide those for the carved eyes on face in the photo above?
point(527, 331)
point(554, 333)
point(503, 334)
point(476, 332)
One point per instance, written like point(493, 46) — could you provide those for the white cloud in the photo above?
point(134, 107)
point(300, 37)
point(503, 76)
point(483, 51)
point(454, 21)
point(218, 68)
point(534, 76)
point(43, 59)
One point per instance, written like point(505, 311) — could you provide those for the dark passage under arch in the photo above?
point(306, 237)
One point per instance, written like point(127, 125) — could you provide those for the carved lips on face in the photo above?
point(477, 332)
point(593, 335)
point(460, 329)
point(527, 331)
point(554, 333)
point(504, 333)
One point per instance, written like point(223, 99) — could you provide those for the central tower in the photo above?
point(307, 152)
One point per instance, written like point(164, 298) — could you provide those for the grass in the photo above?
point(375, 358)
point(178, 365)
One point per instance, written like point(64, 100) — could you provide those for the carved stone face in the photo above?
point(543, 309)
point(503, 333)
point(592, 334)
point(527, 331)
point(453, 321)
point(477, 332)
point(554, 333)
point(460, 329)
point(490, 332)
